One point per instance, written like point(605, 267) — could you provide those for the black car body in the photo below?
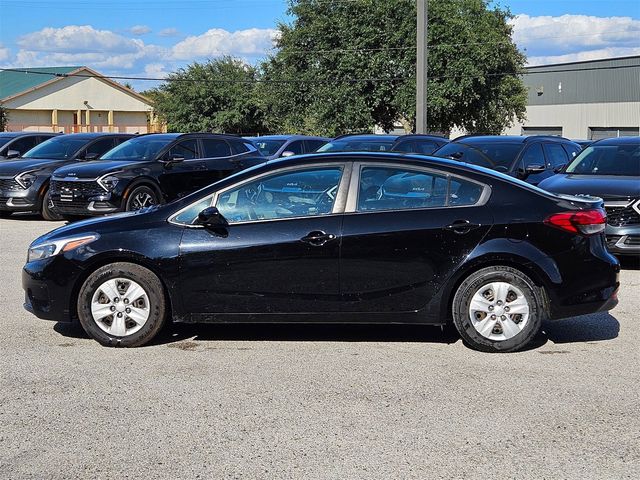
point(610, 169)
point(531, 158)
point(24, 182)
point(15, 144)
point(148, 170)
point(332, 238)
point(276, 146)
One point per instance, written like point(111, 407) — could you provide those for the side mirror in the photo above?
point(212, 218)
point(91, 156)
point(12, 154)
point(287, 153)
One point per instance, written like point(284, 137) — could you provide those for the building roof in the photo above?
point(15, 82)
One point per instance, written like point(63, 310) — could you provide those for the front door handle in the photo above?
point(461, 226)
point(317, 238)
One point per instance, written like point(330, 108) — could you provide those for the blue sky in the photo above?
point(151, 38)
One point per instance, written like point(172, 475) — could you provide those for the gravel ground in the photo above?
point(314, 401)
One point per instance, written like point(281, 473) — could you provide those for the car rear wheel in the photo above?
point(498, 309)
point(122, 305)
point(48, 213)
point(141, 197)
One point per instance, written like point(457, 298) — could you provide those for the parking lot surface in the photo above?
point(314, 401)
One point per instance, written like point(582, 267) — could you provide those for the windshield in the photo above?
point(268, 147)
point(58, 148)
point(357, 145)
point(498, 156)
point(141, 149)
point(607, 160)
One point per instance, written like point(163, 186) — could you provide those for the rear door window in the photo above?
point(385, 188)
point(99, 147)
point(556, 155)
point(215, 148)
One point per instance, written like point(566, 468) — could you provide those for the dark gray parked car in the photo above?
point(16, 144)
point(276, 146)
point(609, 169)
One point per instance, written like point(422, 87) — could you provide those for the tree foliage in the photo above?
point(320, 81)
point(216, 96)
point(4, 118)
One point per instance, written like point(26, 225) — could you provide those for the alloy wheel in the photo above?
point(120, 307)
point(499, 311)
point(142, 200)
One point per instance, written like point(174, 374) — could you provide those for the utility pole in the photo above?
point(421, 67)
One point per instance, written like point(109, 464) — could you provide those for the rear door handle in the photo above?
point(461, 226)
point(317, 238)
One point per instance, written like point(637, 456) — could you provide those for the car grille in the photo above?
point(622, 216)
point(84, 189)
point(9, 184)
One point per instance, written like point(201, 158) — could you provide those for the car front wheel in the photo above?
point(48, 213)
point(122, 305)
point(141, 197)
point(498, 309)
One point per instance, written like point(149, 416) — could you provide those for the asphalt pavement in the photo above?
point(307, 402)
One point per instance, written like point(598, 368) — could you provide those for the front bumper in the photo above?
point(85, 200)
point(20, 200)
point(623, 240)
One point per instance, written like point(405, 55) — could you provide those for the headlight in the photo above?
point(108, 182)
point(54, 247)
point(26, 179)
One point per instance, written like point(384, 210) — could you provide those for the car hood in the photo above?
point(95, 168)
point(11, 168)
point(604, 186)
point(101, 224)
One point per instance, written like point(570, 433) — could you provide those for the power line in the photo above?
point(311, 81)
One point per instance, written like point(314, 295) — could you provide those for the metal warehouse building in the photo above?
point(583, 100)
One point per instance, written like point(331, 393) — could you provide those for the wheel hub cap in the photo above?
point(120, 307)
point(499, 311)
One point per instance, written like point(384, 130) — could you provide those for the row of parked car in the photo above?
point(88, 174)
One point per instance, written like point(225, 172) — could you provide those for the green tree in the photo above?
point(216, 96)
point(348, 66)
point(4, 118)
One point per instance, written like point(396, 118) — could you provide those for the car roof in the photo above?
point(470, 139)
point(422, 136)
point(286, 137)
point(91, 136)
point(366, 136)
point(618, 141)
point(23, 134)
point(175, 135)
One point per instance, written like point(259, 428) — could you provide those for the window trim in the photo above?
point(354, 187)
point(338, 204)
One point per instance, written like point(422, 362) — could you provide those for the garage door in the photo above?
point(557, 131)
point(596, 133)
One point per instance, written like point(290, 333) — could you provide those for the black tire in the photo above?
point(47, 212)
point(156, 297)
point(533, 294)
point(138, 193)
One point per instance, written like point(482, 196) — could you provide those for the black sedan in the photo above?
point(609, 169)
point(334, 238)
point(149, 170)
point(25, 182)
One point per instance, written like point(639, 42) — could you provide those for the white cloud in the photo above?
point(169, 32)
point(575, 36)
point(217, 41)
point(597, 54)
point(139, 30)
point(78, 38)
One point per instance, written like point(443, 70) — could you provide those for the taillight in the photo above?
point(586, 222)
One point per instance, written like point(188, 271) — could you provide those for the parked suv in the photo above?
point(148, 170)
point(276, 146)
point(532, 158)
point(14, 144)
point(366, 142)
point(609, 169)
point(418, 143)
point(24, 182)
